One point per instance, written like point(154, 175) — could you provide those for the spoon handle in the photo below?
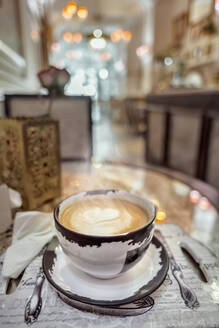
point(34, 304)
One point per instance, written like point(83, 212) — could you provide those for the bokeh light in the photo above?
point(66, 14)
point(143, 50)
point(68, 37)
point(168, 61)
point(119, 35)
point(126, 35)
point(204, 203)
point(55, 47)
point(97, 33)
point(98, 43)
point(103, 73)
point(82, 12)
point(71, 7)
point(77, 37)
point(161, 216)
point(194, 196)
point(105, 56)
point(116, 35)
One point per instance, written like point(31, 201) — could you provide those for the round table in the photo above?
point(181, 200)
point(174, 194)
point(177, 201)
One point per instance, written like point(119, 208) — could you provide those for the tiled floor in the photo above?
point(115, 141)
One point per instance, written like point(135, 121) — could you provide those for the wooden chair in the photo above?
point(73, 114)
point(136, 114)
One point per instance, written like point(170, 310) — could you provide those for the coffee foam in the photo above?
point(103, 215)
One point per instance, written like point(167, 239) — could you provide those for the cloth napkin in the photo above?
point(32, 231)
point(15, 198)
point(9, 199)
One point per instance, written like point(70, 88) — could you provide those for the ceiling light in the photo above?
point(98, 43)
point(126, 35)
point(68, 37)
point(82, 12)
point(71, 7)
point(116, 35)
point(103, 73)
point(97, 33)
point(119, 34)
point(77, 37)
point(66, 14)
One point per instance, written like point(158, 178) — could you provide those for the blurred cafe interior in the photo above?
point(111, 94)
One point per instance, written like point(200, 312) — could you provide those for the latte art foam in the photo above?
point(103, 215)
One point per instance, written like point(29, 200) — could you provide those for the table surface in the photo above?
point(177, 202)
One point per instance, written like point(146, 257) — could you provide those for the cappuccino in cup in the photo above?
point(105, 232)
point(103, 215)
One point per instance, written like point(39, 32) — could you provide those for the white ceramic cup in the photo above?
point(106, 257)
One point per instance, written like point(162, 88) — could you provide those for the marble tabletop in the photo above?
point(177, 202)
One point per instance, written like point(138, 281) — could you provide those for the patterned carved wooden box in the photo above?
point(30, 159)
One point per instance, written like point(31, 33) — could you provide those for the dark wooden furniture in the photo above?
point(135, 109)
point(73, 114)
point(183, 133)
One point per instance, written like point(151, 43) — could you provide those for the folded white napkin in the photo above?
point(9, 199)
point(15, 198)
point(32, 231)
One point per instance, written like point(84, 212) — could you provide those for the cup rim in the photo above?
point(104, 237)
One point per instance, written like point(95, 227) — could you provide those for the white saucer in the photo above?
point(140, 281)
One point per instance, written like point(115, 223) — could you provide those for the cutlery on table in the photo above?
point(34, 304)
point(188, 295)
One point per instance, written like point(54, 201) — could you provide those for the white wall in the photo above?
point(134, 63)
point(140, 69)
point(26, 82)
point(31, 49)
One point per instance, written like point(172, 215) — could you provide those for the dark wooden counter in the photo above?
point(205, 99)
point(183, 132)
